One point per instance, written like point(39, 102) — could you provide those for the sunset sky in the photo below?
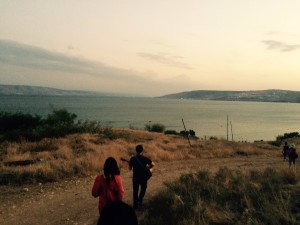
point(151, 47)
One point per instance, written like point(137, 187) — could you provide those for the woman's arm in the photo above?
point(96, 187)
point(120, 187)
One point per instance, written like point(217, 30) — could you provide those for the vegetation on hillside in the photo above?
point(18, 126)
point(52, 159)
point(59, 147)
point(227, 197)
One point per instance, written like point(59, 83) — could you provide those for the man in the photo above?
point(142, 168)
point(285, 150)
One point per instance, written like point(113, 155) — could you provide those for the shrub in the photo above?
point(276, 143)
point(59, 123)
point(88, 126)
point(184, 133)
point(189, 133)
point(17, 121)
point(171, 132)
point(156, 127)
point(19, 126)
point(287, 135)
point(213, 138)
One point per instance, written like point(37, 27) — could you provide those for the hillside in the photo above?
point(69, 201)
point(34, 90)
point(255, 96)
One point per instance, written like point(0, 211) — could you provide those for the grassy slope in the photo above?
point(81, 155)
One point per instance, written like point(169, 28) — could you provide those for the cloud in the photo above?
point(280, 46)
point(16, 54)
point(162, 58)
point(30, 65)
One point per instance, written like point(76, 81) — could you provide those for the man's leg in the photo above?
point(143, 191)
point(135, 185)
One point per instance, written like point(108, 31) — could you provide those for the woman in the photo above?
point(292, 154)
point(118, 213)
point(108, 186)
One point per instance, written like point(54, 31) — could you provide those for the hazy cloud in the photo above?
point(26, 64)
point(162, 58)
point(280, 46)
point(17, 54)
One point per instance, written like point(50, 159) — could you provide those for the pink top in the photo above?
point(107, 191)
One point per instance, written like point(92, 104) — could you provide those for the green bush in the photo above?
point(18, 121)
point(88, 126)
point(19, 126)
point(287, 136)
point(171, 132)
point(156, 127)
point(188, 133)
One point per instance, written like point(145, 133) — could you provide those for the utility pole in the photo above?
point(231, 131)
point(187, 135)
point(227, 127)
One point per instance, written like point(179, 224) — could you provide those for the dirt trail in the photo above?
point(70, 202)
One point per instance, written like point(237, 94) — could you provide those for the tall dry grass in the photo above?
point(226, 197)
point(83, 154)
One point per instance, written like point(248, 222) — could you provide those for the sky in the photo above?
point(151, 48)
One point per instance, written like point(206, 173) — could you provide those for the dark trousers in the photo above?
point(292, 160)
point(138, 197)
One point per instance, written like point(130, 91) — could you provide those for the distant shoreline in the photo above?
point(272, 95)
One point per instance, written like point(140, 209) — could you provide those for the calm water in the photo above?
point(250, 120)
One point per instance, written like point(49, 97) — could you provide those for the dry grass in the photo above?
point(83, 154)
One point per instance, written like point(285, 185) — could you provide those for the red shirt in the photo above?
point(107, 191)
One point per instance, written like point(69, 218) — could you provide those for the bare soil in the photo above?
point(71, 202)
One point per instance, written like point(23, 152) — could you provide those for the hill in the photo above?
point(34, 90)
point(255, 96)
point(69, 201)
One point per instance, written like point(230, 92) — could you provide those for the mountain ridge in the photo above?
point(270, 95)
point(38, 90)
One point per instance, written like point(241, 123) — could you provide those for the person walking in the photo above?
point(142, 171)
point(285, 150)
point(108, 186)
point(292, 154)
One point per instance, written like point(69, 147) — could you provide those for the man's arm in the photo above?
point(150, 166)
point(130, 164)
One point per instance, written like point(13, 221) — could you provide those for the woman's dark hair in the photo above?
point(111, 167)
point(118, 213)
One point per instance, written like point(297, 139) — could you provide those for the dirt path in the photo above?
point(70, 202)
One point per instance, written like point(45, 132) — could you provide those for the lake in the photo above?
point(249, 120)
